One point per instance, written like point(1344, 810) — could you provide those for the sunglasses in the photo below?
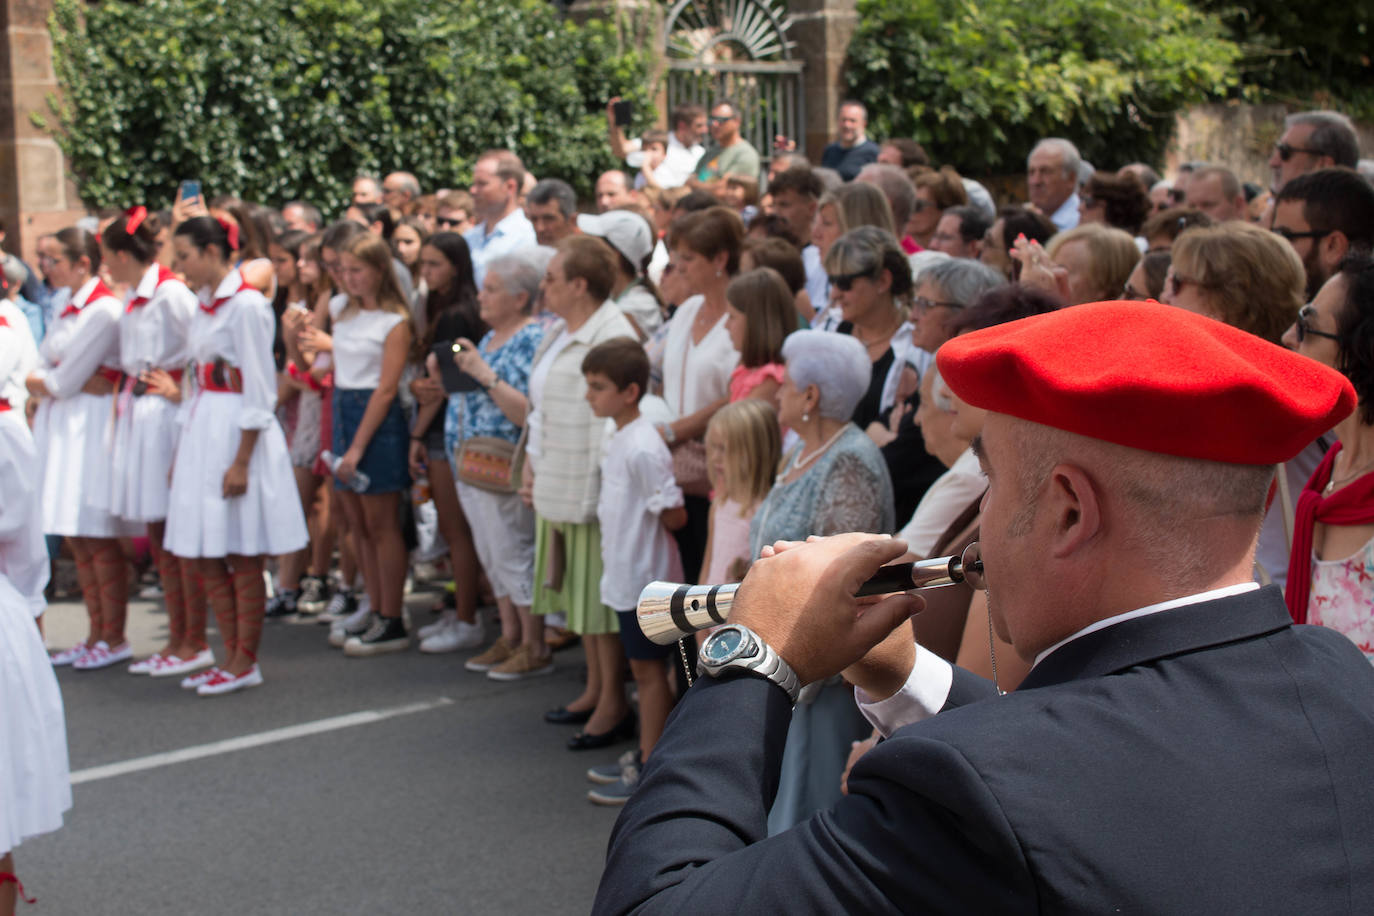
point(925, 305)
point(445, 221)
point(1286, 152)
point(1305, 329)
point(716, 119)
point(844, 282)
point(1291, 236)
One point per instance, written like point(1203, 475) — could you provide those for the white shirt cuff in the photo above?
point(923, 695)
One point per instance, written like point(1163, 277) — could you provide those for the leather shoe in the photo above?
point(563, 716)
point(590, 741)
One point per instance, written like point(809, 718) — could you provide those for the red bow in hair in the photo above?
point(231, 231)
point(134, 218)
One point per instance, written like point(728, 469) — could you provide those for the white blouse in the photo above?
point(18, 355)
point(154, 329)
point(239, 330)
point(694, 375)
point(359, 342)
point(83, 337)
point(23, 554)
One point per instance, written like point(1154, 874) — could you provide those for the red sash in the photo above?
point(1350, 505)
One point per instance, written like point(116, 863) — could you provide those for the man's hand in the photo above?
point(799, 598)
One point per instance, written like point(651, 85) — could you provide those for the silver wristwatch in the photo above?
point(736, 649)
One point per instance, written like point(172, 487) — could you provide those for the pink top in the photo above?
point(729, 540)
point(743, 381)
point(1342, 596)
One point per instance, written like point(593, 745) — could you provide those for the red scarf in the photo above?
point(163, 275)
point(1353, 504)
point(214, 306)
point(100, 289)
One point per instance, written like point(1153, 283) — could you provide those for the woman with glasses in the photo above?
point(936, 192)
point(1331, 569)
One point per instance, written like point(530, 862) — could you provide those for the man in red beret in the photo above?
point(1179, 745)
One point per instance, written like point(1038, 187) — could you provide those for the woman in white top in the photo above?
point(233, 499)
point(698, 357)
point(153, 351)
point(372, 337)
point(76, 382)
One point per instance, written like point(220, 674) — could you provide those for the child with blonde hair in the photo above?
point(743, 448)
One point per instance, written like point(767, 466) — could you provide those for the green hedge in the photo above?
point(978, 83)
point(279, 99)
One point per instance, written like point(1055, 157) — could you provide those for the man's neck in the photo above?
point(860, 140)
point(491, 221)
point(686, 138)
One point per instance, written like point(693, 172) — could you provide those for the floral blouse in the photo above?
point(474, 413)
point(1342, 597)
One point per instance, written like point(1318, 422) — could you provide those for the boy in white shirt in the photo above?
point(639, 504)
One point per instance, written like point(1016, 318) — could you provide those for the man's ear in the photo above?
point(1074, 507)
point(1335, 247)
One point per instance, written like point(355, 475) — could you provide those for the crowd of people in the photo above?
point(721, 357)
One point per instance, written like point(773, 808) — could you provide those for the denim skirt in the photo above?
point(385, 460)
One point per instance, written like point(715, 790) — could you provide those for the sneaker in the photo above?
point(147, 665)
point(617, 793)
point(283, 604)
point(340, 606)
point(458, 635)
point(521, 665)
point(387, 634)
point(68, 656)
point(312, 597)
point(152, 592)
point(175, 667)
point(224, 682)
point(498, 653)
point(355, 624)
point(194, 681)
point(609, 773)
point(447, 618)
point(102, 656)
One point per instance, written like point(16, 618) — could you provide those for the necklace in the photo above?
point(798, 462)
point(883, 338)
point(1331, 484)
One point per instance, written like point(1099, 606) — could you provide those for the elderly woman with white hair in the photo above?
point(834, 481)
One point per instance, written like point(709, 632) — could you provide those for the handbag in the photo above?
point(491, 463)
point(689, 467)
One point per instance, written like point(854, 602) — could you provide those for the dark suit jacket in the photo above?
point(1209, 759)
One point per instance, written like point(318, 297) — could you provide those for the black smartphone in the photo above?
point(622, 112)
point(190, 188)
point(455, 380)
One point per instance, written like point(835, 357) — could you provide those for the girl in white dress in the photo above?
point(76, 383)
point(233, 498)
point(34, 789)
point(153, 352)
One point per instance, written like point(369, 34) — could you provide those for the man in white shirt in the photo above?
point(1179, 746)
point(496, 181)
point(1052, 180)
point(684, 143)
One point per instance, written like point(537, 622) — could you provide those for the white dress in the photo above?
point(234, 325)
point(34, 786)
point(153, 334)
point(71, 427)
point(24, 356)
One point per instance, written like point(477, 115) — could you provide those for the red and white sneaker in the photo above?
point(228, 683)
point(193, 682)
point(102, 656)
point(67, 656)
point(172, 666)
point(147, 665)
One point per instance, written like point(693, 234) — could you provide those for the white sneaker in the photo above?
point(193, 682)
point(447, 618)
point(228, 683)
point(458, 635)
point(102, 656)
point(175, 667)
point(147, 665)
point(67, 656)
point(355, 624)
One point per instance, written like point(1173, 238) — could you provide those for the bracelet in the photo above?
point(417, 438)
point(494, 382)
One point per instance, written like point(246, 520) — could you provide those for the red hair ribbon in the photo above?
point(135, 217)
point(231, 231)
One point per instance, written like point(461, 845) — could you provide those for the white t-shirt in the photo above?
point(637, 485)
point(359, 341)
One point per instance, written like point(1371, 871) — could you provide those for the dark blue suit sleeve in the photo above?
point(967, 688)
point(918, 831)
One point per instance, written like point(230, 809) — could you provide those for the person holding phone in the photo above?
point(372, 337)
point(233, 499)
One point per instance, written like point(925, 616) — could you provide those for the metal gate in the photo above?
point(737, 49)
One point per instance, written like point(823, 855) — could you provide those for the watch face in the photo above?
point(722, 644)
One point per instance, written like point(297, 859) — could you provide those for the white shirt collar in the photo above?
point(83, 295)
point(1066, 217)
point(148, 284)
point(1225, 591)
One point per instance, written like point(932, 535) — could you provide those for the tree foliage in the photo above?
point(279, 99)
point(978, 81)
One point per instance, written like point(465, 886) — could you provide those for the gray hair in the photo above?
point(962, 279)
point(552, 189)
point(1366, 168)
point(1332, 134)
point(1067, 151)
point(940, 395)
point(896, 187)
point(520, 272)
point(409, 183)
point(830, 179)
point(837, 364)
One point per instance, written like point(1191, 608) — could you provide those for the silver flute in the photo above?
point(668, 611)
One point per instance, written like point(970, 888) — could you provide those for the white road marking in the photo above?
point(243, 742)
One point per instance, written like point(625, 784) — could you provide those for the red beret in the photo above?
point(1151, 377)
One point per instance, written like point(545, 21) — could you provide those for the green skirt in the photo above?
point(580, 595)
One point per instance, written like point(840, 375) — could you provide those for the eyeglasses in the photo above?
point(924, 304)
point(1177, 283)
point(920, 205)
point(844, 282)
point(1088, 201)
point(1286, 152)
point(447, 221)
point(717, 119)
point(1130, 292)
point(1305, 329)
point(1291, 236)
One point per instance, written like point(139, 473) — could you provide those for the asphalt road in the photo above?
point(395, 784)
